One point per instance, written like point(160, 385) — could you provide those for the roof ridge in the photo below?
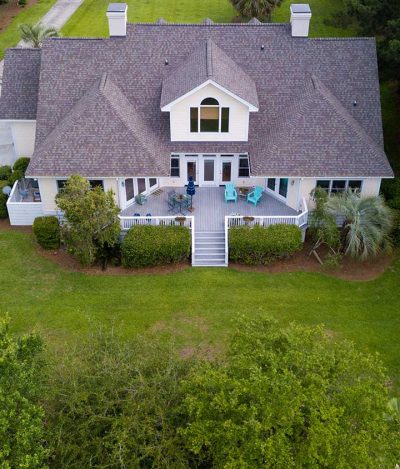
point(209, 58)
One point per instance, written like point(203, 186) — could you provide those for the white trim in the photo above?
point(17, 120)
point(168, 106)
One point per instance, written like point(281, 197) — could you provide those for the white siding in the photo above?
point(238, 118)
point(48, 191)
point(23, 134)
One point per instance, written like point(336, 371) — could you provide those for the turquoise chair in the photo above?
point(255, 195)
point(230, 193)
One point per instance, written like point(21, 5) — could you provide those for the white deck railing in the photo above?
point(267, 220)
point(20, 211)
point(129, 222)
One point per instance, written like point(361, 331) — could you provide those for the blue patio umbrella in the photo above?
point(191, 190)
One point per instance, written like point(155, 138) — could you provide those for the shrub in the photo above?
point(5, 172)
point(3, 205)
point(15, 176)
point(21, 164)
point(3, 184)
point(395, 235)
point(259, 245)
point(390, 189)
point(148, 245)
point(47, 232)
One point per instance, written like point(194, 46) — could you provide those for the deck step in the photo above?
point(209, 249)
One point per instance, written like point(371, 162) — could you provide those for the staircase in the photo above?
point(209, 249)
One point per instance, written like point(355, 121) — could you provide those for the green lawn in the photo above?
point(10, 36)
point(196, 305)
point(90, 19)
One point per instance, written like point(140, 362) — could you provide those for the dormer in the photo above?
point(209, 97)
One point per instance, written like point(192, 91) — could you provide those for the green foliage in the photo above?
point(146, 245)
point(15, 176)
point(5, 172)
point(260, 9)
point(322, 225)
point(259, 245)
point(21, 418)
point(3, 205)
point(47, 232)
point(21, 164)
point(289, 397)
point(35, 34)
point(115, 403)
point(367, 223)
point(92, 222)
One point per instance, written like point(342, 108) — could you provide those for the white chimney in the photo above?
point(117, 14)
point(300, 15)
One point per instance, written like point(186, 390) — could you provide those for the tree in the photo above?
point(35, 34)
point(367, 223)
point(21, 417)
point(114, 403)
point(289, 396)
point(92, 225)
point(260, 9)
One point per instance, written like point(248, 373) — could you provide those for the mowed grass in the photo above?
point(32, 14)
point(195, 305)
point(90, 19)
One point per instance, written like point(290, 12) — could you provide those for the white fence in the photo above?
point(267, 220)
point(20, 212)
point(128, 222)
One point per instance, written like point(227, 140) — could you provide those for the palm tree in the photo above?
point(35, 34)
point(260, 9)
point(367, 223)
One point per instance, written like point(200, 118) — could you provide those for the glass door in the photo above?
point(226, 171)
point(191, 170)
point(129, 190)
point(209, 171)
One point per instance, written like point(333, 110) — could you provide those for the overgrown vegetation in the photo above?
point(260, 9)
point(21, 388)
point(92, 226)
point(280, 397)
point(8, 176)
point(260, 245)
point(47, 232)
point(146, 245)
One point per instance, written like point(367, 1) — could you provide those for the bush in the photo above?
point(21, 164)
point(396, 228)
point(15, 176)
point(47, 232)
point(3, 205)
point(3, 184)
point(5, 172)
point(390, 189)
point(148, 245)
point(259, 245)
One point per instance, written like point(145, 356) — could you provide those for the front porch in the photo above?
point(210, 207)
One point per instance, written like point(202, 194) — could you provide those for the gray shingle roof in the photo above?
point(20, 84)
point(305, 126)
point(73, 145)
point(208, 62)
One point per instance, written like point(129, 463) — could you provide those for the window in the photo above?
point(96, 183)
point(175, 169)
point(209, 117)
point(152, 182)
point(271, 183)
point(61, 184)
point(283, 187)
point(194, 119)
point(141, 183)
point(244, 168)
point(337, 186)
point(129, 189)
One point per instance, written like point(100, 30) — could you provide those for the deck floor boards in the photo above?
point(210, 207)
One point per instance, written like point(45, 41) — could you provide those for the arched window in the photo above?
point(209, 117)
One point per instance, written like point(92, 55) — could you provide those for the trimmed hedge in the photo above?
point(260, 245)
point(5, 172)
point(21, 164)
point(47, 232)
point(147, 245)
point(3, 205)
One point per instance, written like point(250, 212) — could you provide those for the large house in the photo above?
point(253, 104)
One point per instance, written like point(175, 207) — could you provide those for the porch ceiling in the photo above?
point(210, 207)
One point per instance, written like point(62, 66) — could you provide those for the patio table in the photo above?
point(243, 191)
point(180, 200)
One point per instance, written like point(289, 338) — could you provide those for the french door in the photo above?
point(226, 171)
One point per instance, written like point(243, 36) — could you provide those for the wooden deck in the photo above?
point(210, 207)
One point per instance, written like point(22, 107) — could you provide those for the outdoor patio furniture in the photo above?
point(230, 193)
point(136, 214)
point(182, 202)
point(244, 191)
point(255, 195)
point(23, 193)
point(140, 199)
point(36, 196)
